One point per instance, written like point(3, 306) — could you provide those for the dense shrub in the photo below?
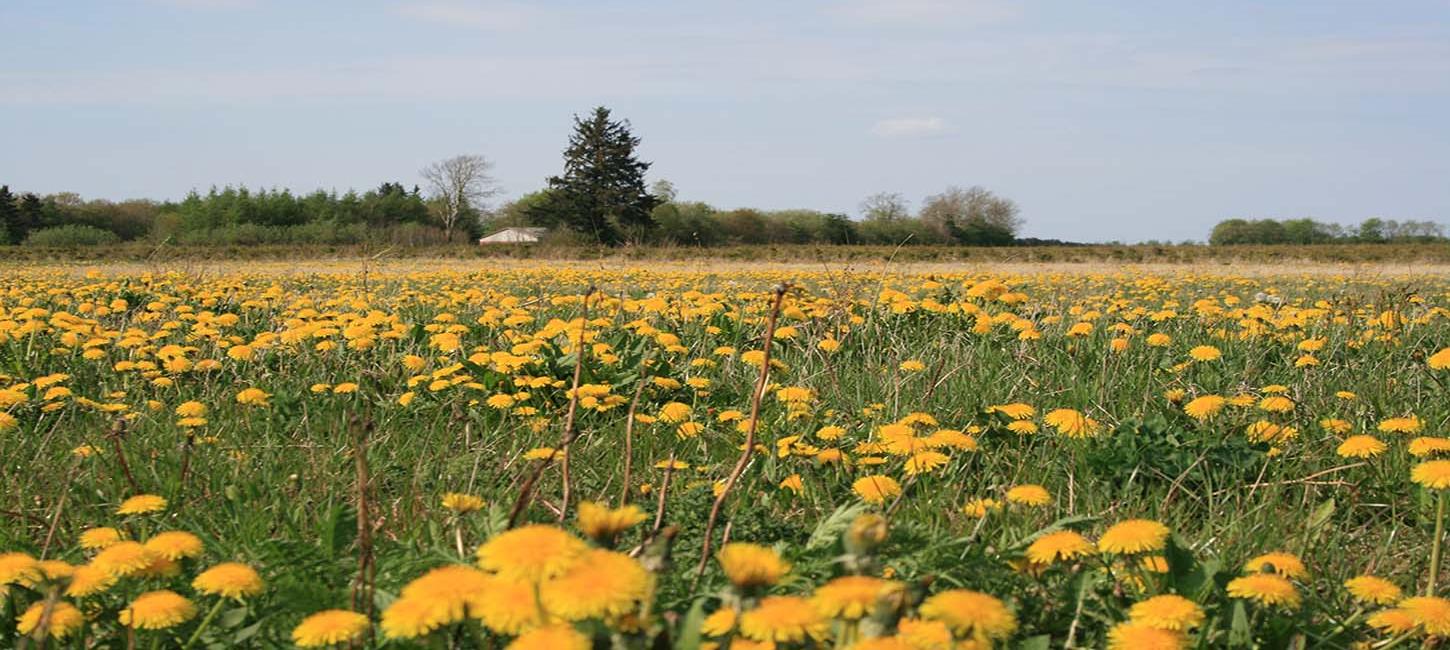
point(71, 236)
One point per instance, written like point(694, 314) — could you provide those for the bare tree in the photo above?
point(885, 206)
point(459, 184)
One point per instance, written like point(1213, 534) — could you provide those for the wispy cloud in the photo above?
point(485, 15)
point(206, 4)
point(926, 11)
point(903, 127)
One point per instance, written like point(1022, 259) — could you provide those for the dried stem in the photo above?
point(526, 491)
point(569, 430)
point(59, 507)
point(750, 429)
point(118, 431)
point(362, 588)
point(629, 427)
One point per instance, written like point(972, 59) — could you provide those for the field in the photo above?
point(552, 454)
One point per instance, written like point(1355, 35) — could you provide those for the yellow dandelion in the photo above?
point(232, 580)
point(749, 565)
point(1059, 545)
point(1431, 613)
point(1071, 423)
point(531, 553)
point(1268, 589)
point(1029, 495)
point(1360, 447)
point(851, 597)
point(89, 580)
point(330, 627)
point(604, 583)
point(157, 610)
point(876, 488)
point(1371, 590)
point(1205, 407)
point(175, 545)
point(141, 504)
point(124, 559)
point(1284, 564)
point(782, 619)
point(553, 637)
point(1205, 353)
point(1138, 636)
point(972, 614)
point(1167, 612)
point(1134, 536)
point(602, 524)
point(64, 619)
point(1433, 474)
point(462, 503)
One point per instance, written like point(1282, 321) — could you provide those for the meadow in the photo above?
point(552, 454)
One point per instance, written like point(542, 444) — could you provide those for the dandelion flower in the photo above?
point(89, 580)
point(1440, 360)
point(970, 613)
point(719, 623)
point(1393, 621)
point(462, 503)
point(674, 412)
point(1268, 589)
point(1205, 353)
point(604, 583)
point(157, 610)
point(782, 619)
point(19, 569)
point(253, 397)
point(553, 637)
point(1029, 495)
point(531, 553)
point(925, 462)
point(1371, 590)
point(1408, 424)
point(1205, 407)
point(330, 627)
point(1284, 564)
point(232, 580)
point(1134, 536)
point(412, 617)
point(876, 488)
point(175, 545)
point(1167, 612)
point(1360, 447)
point(1071, 423)
point(601, 523)
point(509, 607)
point(1433, 474)
point(850, 597)
point(1138, 636)
point(64, 619)
point(141, 504)
point(751, 565)
point(978, 508)
point(1059, 545)
point(1431, 613)
point(124, 559)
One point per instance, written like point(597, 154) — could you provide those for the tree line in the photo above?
point(1309, 231)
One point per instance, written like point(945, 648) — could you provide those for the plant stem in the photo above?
point(195, 636)
point(1435, 545)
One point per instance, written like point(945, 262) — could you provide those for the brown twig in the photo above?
point(118, 430)
point(526, 491)
point(362, 588)
point(750, 429)
point(629, 427)
point(59, 507)
point(569, 430)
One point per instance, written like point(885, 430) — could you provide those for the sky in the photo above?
point(1111, 120)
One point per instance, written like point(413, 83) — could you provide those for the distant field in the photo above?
point(1117, 447)
point(1173, 254)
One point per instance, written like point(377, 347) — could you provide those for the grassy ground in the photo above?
point(925, 345)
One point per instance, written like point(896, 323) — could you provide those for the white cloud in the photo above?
point(486, 15)
point(905, 127)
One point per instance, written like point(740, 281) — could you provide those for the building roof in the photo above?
point(515, 235)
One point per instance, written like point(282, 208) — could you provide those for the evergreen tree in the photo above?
point(30, 214)
point(602, 192)
point(9, 215)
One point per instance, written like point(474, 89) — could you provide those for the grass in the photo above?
point(273, 486)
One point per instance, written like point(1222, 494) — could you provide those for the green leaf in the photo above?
point(1039, 642)
point(691, 625)
point(1239, 634)
point(232, 617)
point(833, 525)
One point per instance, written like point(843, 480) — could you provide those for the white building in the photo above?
point(515, 236)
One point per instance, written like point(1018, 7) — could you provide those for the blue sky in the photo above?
point(1103, 120)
